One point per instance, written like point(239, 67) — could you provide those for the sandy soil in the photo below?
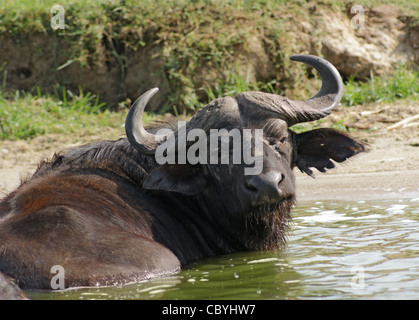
point(389, 168)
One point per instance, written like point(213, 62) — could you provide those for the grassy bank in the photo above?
point(402, 84)
point(199, 42)
point(25, 115)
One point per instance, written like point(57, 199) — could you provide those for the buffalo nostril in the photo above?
point(281, 178)
point(251, 184)
point(266, 186)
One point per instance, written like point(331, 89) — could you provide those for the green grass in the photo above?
point(230, 85)
point(403, 84)
point(25, 115)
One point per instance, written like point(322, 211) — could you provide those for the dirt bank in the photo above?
point(119, 50)
point(389, 168)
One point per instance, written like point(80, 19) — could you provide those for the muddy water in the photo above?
point(337, 250)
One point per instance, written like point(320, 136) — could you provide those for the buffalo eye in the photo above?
point(276, 144)
point(284, 140)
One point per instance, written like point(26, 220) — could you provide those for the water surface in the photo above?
point(337, 250)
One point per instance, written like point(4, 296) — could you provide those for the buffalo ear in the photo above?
point(316, 149)
point(180, 178)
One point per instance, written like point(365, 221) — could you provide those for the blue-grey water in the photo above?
point(336, 250)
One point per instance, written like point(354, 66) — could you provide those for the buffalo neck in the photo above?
point(189, 229)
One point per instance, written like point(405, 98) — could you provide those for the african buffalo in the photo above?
point(108, 213)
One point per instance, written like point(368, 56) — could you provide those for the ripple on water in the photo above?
point(381, 240)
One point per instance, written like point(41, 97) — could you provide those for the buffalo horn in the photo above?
point(256, 106)
point(138, 137)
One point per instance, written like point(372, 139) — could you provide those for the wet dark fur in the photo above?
point(270, 224)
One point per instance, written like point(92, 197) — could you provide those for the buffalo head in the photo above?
point(250, 210)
